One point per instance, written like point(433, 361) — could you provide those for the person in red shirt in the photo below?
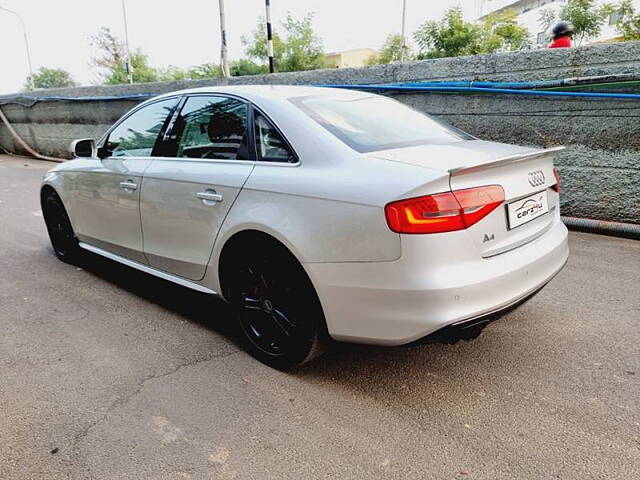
point(562, 34)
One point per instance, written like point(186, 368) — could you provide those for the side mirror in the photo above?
point(84, 148)
point(104, 152)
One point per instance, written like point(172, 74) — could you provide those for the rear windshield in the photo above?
point(372, 123)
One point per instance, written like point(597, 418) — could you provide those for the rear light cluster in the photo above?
point(556, 174)
point(443, 212)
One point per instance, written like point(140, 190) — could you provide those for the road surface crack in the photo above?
point(119, 402)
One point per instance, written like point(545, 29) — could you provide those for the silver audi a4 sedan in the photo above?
point(316, 213)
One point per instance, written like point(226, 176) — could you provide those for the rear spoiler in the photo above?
point(499, 162)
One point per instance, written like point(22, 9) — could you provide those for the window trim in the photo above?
point(185, 97)
point(252, 109)
point(167, 129)
point(273, 124)
point(170, 132)
point(101, 143)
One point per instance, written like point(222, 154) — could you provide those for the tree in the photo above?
point(452, 36)
point(205, 70)
point(244, 66)
point(50, 78)
point(255, 46)
point(501, 32)
point(391, 51)
point(171, 74)
point(627, 19)
point(586, 17)
point(196, 72)
point(111, 60)
point(301, 49)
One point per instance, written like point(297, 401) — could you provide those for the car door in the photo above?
point(187, 194)
point(107, 190)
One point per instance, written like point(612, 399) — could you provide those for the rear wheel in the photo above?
point(279, 315)
point(63, 239)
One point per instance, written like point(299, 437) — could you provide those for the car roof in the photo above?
point(256, 93)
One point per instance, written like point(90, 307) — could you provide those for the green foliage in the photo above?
point(142, 71)
point(628, 23)
point(197, 72)
point(586, 17)
point(449, 37)
point(391, 51)
point(501, 32)
point(171, 74)
point(452, 36)
point(50, 78)
point(246, 67)
point(255, 46)
point(111, 60)
point(206, 70)
point(301, 49)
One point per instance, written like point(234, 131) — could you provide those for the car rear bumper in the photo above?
point(433, 285)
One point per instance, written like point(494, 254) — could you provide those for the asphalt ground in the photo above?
point(108, 373)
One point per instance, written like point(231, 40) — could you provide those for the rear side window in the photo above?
point(212, 127)
point(136, 135)
point(370, 123)
point(270, 145)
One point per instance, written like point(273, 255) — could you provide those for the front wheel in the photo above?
point(279, 314)
point(63, 239)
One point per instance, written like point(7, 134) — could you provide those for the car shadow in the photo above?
point(354, 365)
point(206, 310)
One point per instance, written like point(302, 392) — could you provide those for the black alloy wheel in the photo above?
point(278, 311)
point(63, 239)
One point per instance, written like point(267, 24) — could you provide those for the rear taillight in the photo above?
point(556, 174)
point(443, 212)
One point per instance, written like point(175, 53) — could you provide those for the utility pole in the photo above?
point(223, 49)
point(26, 44)
point(269, 38)
point(128, 65)
point(404, 38)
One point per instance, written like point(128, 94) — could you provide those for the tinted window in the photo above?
point(137, 134)
point(212, 127)
point(270, 145)
point(370, 123)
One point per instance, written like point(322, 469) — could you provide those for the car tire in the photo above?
point(63, 239)
point(279, 316)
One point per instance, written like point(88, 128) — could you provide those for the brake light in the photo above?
point(443, 212)
point(556, 174)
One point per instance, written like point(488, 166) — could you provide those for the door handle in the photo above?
point(209, 196)
point(129, 185)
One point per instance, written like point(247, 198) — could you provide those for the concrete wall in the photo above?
point(601, 176)
point(600, 168)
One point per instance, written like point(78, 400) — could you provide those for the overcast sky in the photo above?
point(185, 32)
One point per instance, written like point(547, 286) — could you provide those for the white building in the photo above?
point(529, 15)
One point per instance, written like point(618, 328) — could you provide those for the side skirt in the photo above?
point(147, 269)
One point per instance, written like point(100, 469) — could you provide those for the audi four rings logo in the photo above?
point(536, 179)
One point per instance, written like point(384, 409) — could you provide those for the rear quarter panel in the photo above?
point(330, 206)
point(325, 213)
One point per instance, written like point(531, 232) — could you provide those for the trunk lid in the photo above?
point(525, 174)
point(451, 155)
